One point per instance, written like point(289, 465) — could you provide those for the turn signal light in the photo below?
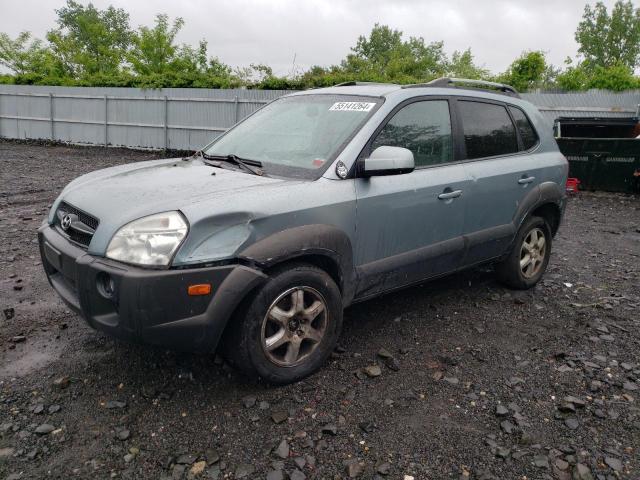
point(199, 289)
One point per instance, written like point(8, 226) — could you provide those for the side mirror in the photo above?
point(387, 160)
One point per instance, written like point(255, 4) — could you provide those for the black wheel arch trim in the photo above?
point(316, 240)
point(546, 193)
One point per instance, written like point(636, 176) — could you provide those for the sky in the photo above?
point(321, 32)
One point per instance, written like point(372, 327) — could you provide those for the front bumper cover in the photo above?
point(149, 306)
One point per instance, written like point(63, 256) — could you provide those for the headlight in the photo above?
point(150, 240)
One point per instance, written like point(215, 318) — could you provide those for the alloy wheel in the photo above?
point(532, 253)
point(294, 326)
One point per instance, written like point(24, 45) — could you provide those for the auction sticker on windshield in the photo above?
point(352, 106)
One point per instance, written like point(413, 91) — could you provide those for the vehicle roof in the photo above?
point(392, 90)
point(366, 89)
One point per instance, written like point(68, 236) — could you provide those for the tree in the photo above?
point(608, 40)
point(379, 47)
point(385, 56)
point(90, 41)
point(573, 77)
point(93, 47)
point(462, 65)
point(260, 72)
point(153, 49)
point(616, 78)
point(15, 54)
point(22, 55)
point(196, 60)
point(30, 60)
point(583, 77)
point(526, 72)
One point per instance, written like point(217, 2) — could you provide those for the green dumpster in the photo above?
point(608, 164)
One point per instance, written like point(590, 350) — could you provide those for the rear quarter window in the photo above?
point(527, 132)
point(488, 129)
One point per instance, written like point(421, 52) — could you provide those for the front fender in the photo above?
point(317, 240)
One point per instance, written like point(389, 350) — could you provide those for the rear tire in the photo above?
point(288, 329)
point(526, 263)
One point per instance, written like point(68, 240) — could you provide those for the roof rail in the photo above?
point(447, 82)
point(353, 83)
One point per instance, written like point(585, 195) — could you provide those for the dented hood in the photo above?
point(119, 195)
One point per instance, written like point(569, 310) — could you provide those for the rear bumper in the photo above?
point(149, 306)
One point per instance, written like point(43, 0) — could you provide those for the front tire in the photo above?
point(290, 326)
point(526, 263)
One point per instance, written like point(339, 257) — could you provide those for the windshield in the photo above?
point(297, 136)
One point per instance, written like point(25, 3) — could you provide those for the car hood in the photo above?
point(119, 195)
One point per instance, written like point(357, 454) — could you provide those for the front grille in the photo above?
point(80, 233)
point(82, 216)
point(79, 237)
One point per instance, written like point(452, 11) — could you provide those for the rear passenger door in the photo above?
point(499, 148)
point(409, 227)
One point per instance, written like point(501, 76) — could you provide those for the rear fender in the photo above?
point(543, 194)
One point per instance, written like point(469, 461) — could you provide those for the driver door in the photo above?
point(409, 226)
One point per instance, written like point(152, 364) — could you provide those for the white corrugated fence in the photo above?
point(188, 118)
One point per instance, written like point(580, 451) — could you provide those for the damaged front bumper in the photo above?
point(144, 305)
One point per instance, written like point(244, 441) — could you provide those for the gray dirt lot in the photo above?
point(478, 388)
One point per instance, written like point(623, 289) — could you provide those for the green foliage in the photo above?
point(376, 50)
point(26, 56)
point(527, 72)
point(609, 47)
point(462, 65)
point(153, 50)
point(89, 41)
point(610, 40)
point(573, 78)
point(616, 77)
point(93, 47)
point(14, 54)
point(385, 57)
point(584, 77)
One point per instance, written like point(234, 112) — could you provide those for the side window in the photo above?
point(488, 129)
point(527, 132)
point(422, 127)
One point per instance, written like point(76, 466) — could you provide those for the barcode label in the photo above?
point(351, 107)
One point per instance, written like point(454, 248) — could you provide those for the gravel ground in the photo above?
point(474, 381)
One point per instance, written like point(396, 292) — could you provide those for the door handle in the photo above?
point(524, 181)
point(449, 195)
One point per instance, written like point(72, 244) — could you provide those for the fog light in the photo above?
point(106, 285)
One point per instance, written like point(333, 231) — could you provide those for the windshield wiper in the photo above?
point(247, 164)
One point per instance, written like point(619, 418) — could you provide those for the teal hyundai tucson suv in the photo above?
point(256, 243)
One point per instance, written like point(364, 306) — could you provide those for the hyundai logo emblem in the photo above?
point(65, 223)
